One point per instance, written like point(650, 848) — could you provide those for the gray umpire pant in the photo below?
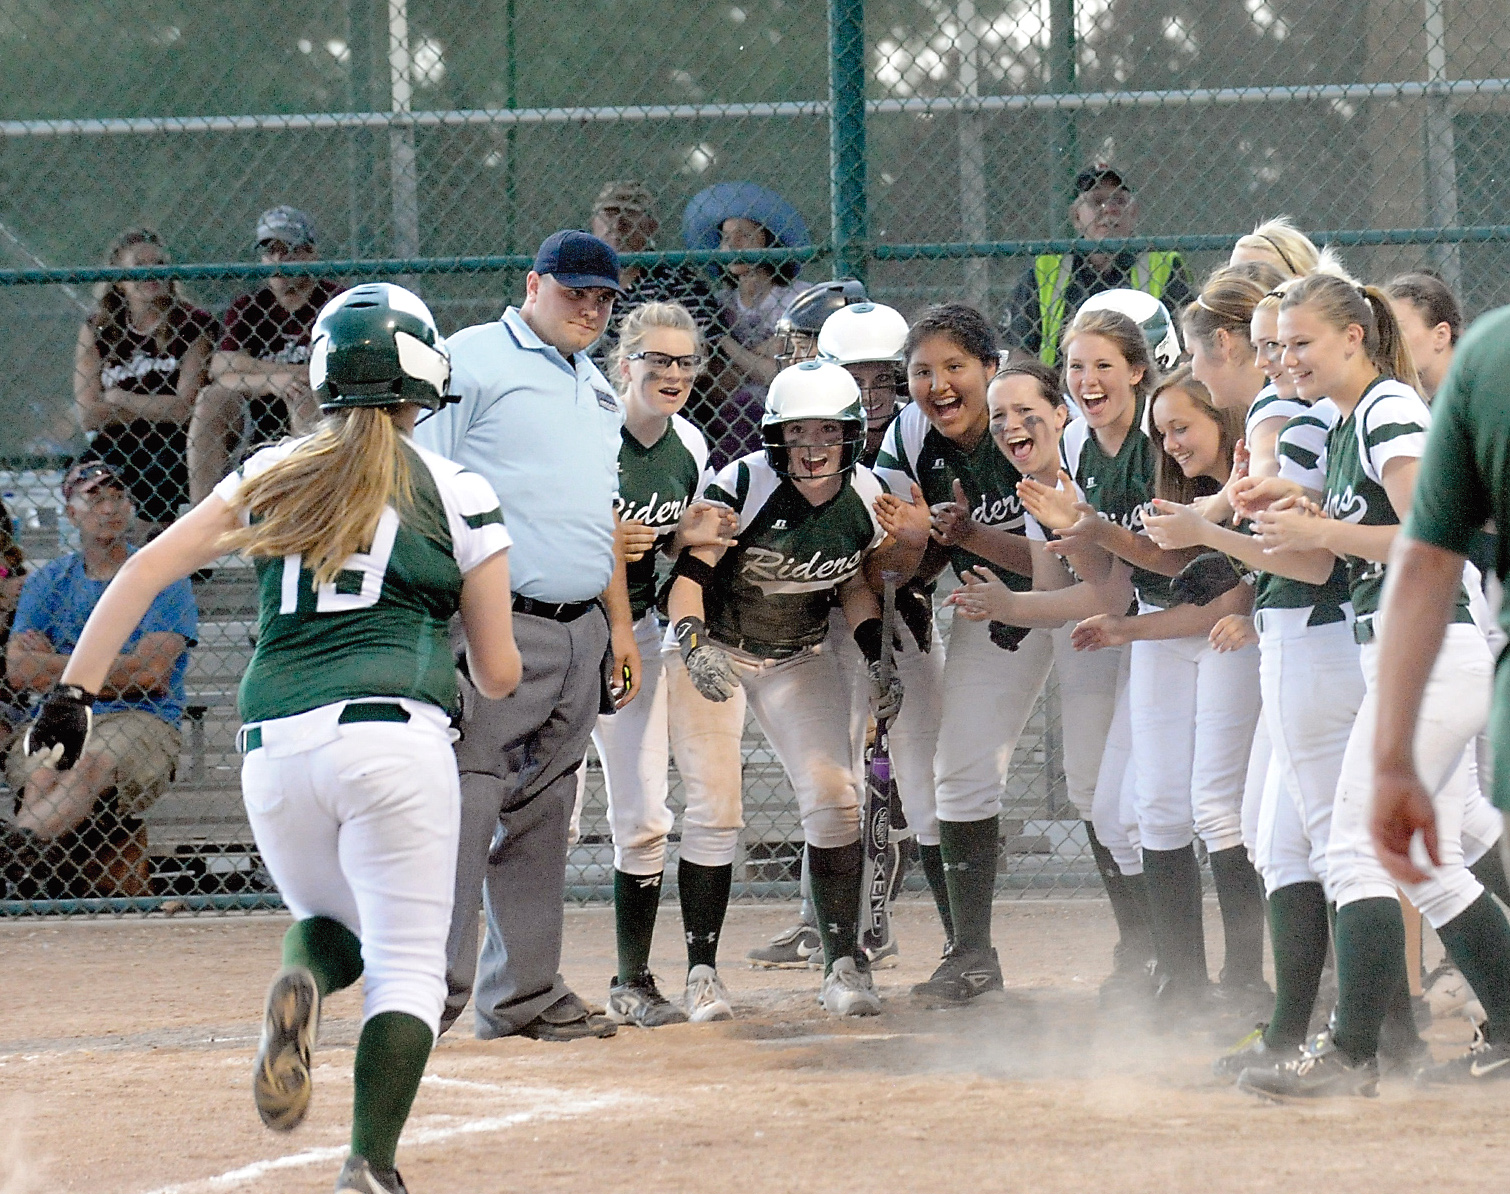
point(518, 759)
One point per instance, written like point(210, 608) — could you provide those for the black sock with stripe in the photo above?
point(1370, 972)
point(969, 852)
point(636, 900)
point(932, 858)
point(1298, 928)
point(836, 874)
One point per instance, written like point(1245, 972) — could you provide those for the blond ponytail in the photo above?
point(324, 499)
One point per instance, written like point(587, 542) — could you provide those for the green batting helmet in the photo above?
point(377, 345)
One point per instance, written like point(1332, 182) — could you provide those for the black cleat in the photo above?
point(1251, 1053)
point(360, 1176)
point(640, 1002)
point(1327, 1074)
point(965, 978)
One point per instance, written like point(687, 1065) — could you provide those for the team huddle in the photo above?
point(1190, 524)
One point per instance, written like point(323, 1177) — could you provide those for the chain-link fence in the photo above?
point(929, 146)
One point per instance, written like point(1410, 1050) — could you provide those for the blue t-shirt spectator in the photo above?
point(57, 600)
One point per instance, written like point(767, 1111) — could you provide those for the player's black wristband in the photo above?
point(1204, 579)
point(689, 635)
point(699, 572)
point(72, 692)
point(1008, 638)
point(868, 639)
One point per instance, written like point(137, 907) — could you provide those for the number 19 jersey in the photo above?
point(381, 627)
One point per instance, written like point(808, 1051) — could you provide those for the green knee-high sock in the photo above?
point(636, 899)
point(933, 869)
point(1490, 871)
point(1174, 904)
point(969, 852)
point(1129, 898)
point(1240, 895)
point(1370, 972)
point(704, 892)
point(327, 949)
point(391, 1057)
point(1298, 927)
point(1477, 939)
point(836, 898)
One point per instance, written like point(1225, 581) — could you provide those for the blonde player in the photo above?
point(662, 468)
point(1342, 341)
point(365, 546)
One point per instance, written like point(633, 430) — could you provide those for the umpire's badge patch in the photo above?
point(606, 400)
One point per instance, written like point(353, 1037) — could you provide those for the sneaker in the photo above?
point(848, 990)
point(359, 1174)
point(280, 1075)
point(795, 948)
point(1446, 990)
point(1243, 1000)
point(640, 1002)
point(1484, 1062)
point(965, 978)
point(1250, 1053)
point(885, 957)
point(1329, 1073)
point(706, 998)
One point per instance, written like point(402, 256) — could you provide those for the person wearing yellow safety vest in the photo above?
point(1048, 294)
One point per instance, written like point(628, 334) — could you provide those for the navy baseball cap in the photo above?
point(577, 258)
point(1097, 173)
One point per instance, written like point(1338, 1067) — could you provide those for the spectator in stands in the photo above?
point(139, 363)
point(260, 374)
point(93, 810)
point(1048, 294)
point(622, 217)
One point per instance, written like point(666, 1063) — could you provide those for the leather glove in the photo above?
point(711, 672)
point(58, 736)
point(1204, 579)
point(885, 699)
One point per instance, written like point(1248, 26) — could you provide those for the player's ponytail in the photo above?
point(324, 499)
point(1393, 353)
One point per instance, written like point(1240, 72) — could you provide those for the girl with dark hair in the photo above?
point(139, 362)
point(941, 442)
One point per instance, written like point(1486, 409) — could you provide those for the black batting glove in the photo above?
point(58, 736)
point(1204, 579)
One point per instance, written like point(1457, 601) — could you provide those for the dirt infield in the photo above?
point(125, 1054)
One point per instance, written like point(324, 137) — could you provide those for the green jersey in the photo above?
point(771, 594)
point(1389, 422)
point(1119, 487)
point(656, 485)
point(913, 452)
point(1464, 483)
point(380, 628)
point(1301, 450)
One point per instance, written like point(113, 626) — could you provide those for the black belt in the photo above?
point(249, 738)
point(556, 611)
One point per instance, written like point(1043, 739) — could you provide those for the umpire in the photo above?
point(541, 423)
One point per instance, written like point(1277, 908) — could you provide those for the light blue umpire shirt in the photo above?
point(544, 431)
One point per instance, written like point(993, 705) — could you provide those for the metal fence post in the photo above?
point(846, 135)
point(1061, 82)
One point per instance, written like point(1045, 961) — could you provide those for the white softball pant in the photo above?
point(914, 733)
point(1114, 810)
point(1454, 708)
point(988, 696)
point(1312, 689)
point(802, 706)
point(1194, 710)
point(359, 823)
point(1090, 683)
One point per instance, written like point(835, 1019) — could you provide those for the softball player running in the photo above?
point(992, 675)
point(1308, 672)
point(1028, 416)
point(1343, 342)
point(662, 469)
point(364, 546)
point(751, 622)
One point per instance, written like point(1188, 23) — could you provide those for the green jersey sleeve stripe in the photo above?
point(1301, 456)
point(486, 518)
point(1384, 432)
